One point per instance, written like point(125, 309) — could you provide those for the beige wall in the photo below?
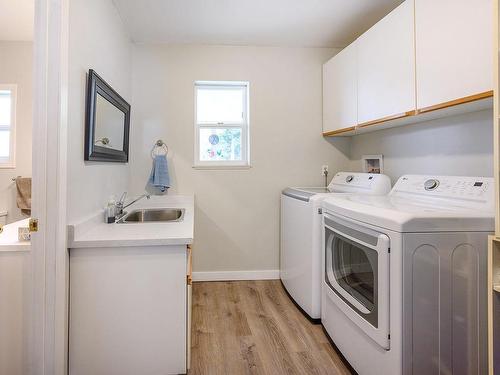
point(97, 40)
point(237, 211)
point(16, 66)
point(460, 145)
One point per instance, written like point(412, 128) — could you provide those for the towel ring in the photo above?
point(161, 147)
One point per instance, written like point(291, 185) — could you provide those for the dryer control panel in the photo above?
point(459, 188)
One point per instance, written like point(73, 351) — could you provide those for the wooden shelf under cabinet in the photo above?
point(387, 119)
point(340, 132)
point(459, 106)
point(452, 103)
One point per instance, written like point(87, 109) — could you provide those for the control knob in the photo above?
point(431, 184)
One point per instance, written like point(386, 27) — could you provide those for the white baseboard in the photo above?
point(236, 275)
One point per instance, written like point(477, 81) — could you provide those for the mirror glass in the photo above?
point(109, 125)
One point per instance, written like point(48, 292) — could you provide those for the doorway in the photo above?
point(16, 125)
point(33, 278)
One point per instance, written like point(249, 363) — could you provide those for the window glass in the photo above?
point(4, 143)
point(220, 105)
point(220, 144)
point(5, 107)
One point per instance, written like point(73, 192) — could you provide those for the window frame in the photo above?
point(244, 125)
point(10, 162)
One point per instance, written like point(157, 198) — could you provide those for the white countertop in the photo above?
point(95, 233)
point(9, 237)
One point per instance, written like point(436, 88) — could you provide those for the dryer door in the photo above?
point(357, 274)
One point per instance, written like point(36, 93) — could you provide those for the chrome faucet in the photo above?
point(120, 205)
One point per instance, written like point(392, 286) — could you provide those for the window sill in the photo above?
point(222, 167)
point(7, 166)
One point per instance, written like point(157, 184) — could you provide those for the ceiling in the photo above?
point(16, 20)
point(304, 23)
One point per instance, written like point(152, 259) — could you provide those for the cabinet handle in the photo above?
point(189, 276)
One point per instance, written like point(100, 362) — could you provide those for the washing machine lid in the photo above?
point(304, 194)
point(424, 204)
point(344, 182)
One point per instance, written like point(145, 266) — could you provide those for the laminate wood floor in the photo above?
point(252, 327)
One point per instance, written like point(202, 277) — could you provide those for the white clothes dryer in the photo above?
point(404, 286)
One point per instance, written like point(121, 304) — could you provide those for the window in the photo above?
point(7, 125)
point(221, 128)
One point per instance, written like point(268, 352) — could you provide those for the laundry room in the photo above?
point(272, 187)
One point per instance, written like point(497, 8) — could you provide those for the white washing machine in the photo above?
point(301, 245)
point(404, 286)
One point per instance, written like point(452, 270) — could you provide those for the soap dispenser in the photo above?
point(109, 211)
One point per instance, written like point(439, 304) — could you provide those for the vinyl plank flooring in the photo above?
point(253, 328)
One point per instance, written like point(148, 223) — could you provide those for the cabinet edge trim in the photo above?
point(339, 131)
point(388, 118)
point(452, 103)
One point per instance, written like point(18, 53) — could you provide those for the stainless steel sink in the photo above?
point(153, 215)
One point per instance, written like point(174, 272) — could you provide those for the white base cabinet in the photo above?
point(15, 312)
point(128, 311)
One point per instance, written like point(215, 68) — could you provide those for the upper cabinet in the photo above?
point(340, 109)
point(424, 60)
point(454, 51)
point(386, 68)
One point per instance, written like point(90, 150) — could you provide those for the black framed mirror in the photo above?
point(107, 122)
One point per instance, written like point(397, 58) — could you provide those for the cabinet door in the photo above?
point(15, 311)
point(128, 311)
point(386, 67)
point(340, 91)
point(454, 49)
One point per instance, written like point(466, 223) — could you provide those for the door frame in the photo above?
point(48, 348)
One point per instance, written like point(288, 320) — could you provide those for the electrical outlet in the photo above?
point(324, 170)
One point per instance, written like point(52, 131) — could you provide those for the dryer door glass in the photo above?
point(351, 271)
point(354, 271)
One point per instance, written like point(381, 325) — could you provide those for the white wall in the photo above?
point(16, 66)
point(237, 211)
point(460, 145)
point(97, 40)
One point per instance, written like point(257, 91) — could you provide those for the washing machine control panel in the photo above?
point(353, 182)
point(354, 179)
point(476, 188)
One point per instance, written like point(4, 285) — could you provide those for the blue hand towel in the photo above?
point(159, 177)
